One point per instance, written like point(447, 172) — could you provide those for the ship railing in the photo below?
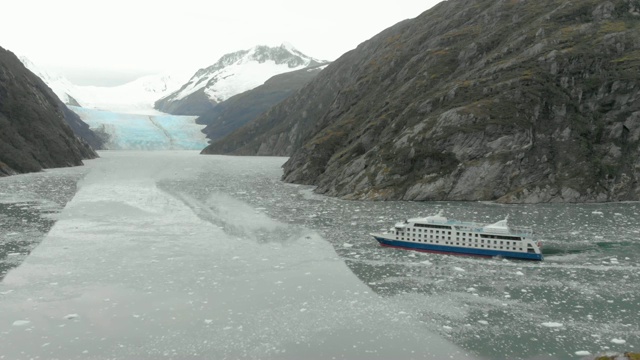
point(469, 226)
point(473, 226)
point(521, 230)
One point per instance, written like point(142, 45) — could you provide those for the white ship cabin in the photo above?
point(438, 230)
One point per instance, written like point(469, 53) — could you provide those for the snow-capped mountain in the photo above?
point(60, 85)
point(232, 74)
point(135, 97)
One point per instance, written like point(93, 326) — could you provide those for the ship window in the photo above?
point(449, 237)
point(449, 233)
point(437, 242)
point(476, 235)
point(437, 237)
point(500, 242)
point(458, 234)
point(481, 245)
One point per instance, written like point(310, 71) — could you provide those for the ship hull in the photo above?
point(455, 250)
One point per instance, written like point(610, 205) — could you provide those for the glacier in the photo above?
point(144, 132)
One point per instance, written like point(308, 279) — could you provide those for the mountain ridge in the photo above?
point(232, 74)
point(472, 100)
point(242, 108)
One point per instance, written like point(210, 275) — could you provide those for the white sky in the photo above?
point(126, 38)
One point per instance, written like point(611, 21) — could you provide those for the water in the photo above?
point(27, 203)
point(176, 255)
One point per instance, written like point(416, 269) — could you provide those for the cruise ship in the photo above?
point(440, 235)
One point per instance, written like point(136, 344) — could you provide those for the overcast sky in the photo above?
point(100, 42)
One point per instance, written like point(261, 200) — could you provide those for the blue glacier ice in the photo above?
point(144, 132)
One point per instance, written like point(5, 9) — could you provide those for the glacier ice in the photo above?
point(144, 132)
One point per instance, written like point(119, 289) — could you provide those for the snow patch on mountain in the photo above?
point(243, 70)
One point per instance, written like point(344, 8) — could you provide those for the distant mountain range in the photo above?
point(137, 96)
point(233, 74)
point(514, 101)
point(235, 90)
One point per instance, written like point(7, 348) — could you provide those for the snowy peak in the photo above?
point(235, 73)
point(283, 54)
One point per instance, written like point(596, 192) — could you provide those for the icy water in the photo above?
point(177, 255)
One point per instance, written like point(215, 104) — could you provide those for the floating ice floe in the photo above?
point(582, 353)
point(552, 324)
point(458, 269)
point(71, 316)
point(347, 245)
point(618, 341)
point(21, 322)
point(483, 322)
point(596, 212)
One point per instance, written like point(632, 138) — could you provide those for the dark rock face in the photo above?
point(195, 104)
point(239, 110)
point(80, 128)
point(515, 101)
point(33, 131)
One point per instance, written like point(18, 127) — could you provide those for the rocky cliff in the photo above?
point(33, 131)
point(515, 101)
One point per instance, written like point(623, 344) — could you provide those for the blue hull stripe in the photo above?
point(457, 250)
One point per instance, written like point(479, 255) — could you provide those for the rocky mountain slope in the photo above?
point(515, 101)
point(240, 109)
point(33, 131)
point(232, 74)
